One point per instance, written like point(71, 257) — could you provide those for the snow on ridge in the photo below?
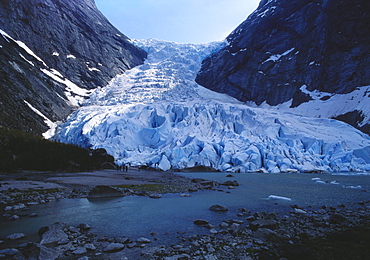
point(156, 115)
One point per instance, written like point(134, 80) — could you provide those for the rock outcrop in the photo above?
point(47, 48)
point(320, 45)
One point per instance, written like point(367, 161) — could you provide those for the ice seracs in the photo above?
point(156, 115)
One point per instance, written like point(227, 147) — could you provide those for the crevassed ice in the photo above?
point(156, 115)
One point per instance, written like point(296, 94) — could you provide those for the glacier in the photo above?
point(155, 115)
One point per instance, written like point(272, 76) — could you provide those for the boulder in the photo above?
point(299, 211)
point(143, 240)
point(114, 247)
point(235, 229)
point(264, 234)
point(90, 247)
point(264, 223)
point(79, 251)
point(53, 233)
point(102, 191)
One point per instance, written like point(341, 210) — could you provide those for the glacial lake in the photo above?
point(135, 216)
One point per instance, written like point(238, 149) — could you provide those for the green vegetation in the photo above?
point(23, 151)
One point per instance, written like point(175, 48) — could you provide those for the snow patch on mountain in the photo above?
point(52, 126)
point(156, 115)
point(74, 93)
point(329, 105)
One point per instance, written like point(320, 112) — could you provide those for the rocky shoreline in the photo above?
point(258, 235)
point(340, 232)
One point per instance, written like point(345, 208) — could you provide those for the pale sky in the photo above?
point(184, 21)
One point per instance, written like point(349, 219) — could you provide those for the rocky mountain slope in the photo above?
point(51, 53)
point(302, 52)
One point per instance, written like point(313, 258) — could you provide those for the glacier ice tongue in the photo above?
point(156, 115)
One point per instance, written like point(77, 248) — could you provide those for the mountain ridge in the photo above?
point(284, 46)
point(48, 48)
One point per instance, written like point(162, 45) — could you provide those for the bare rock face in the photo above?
point(70, 37)
point(283, 45)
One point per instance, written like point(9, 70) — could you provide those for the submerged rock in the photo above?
point(84, 226)
point(230, 183)
point(155, 196)
point(201, 222)
point(218, 208)
point(15, 236)
point(9, 251)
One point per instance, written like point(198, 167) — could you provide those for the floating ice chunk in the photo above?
point(274, 197)
point(315, 179)
point(353, 187)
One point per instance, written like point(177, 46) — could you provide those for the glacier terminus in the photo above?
point(157, 116)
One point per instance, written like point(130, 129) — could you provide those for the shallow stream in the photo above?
point(135, 216)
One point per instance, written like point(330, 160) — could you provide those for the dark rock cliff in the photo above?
point(71, 37)
point(283, 45)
